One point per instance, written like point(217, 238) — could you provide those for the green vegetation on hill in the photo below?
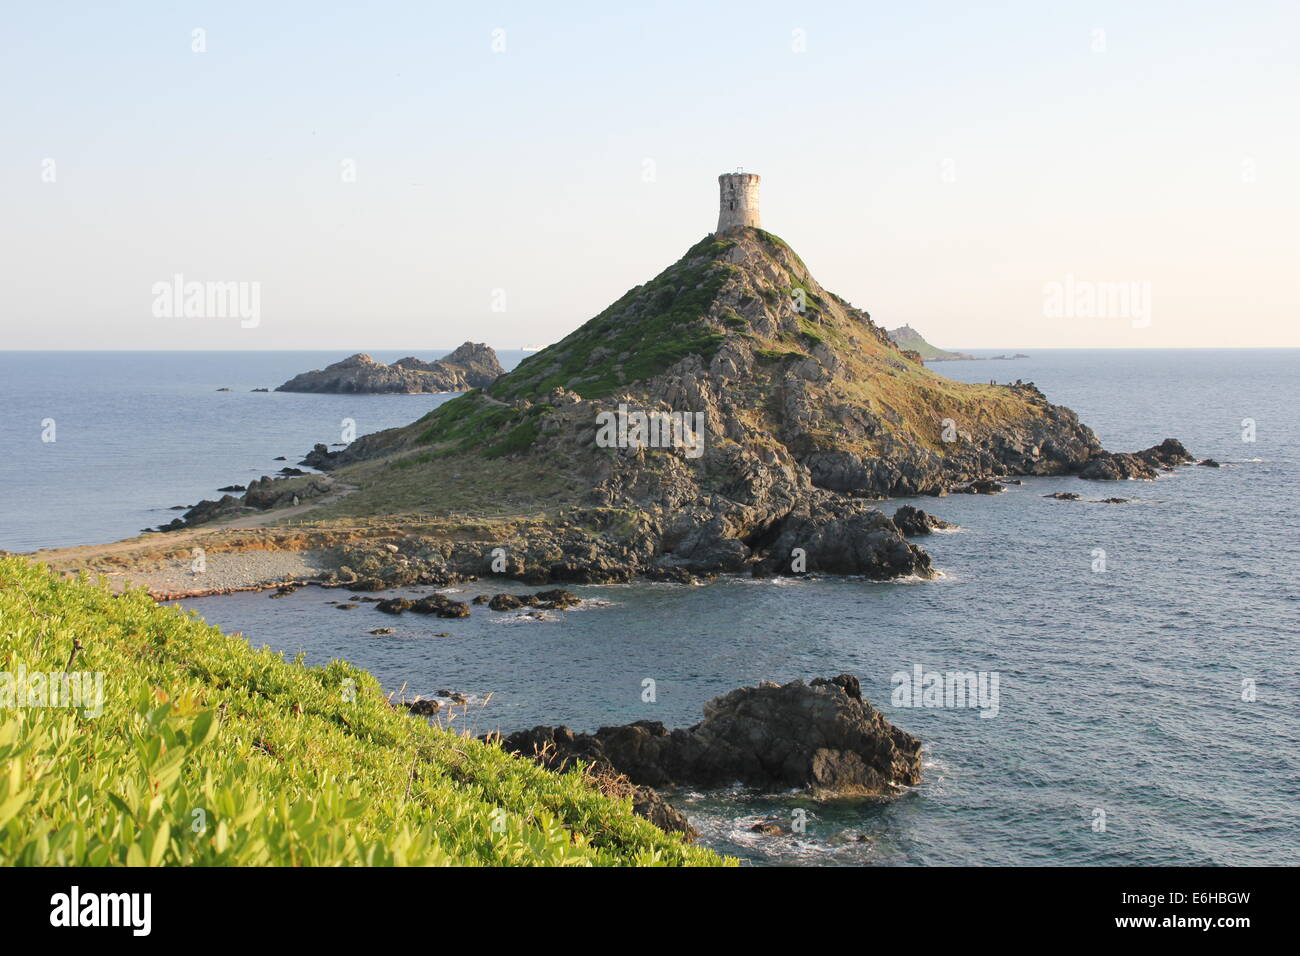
point(208, 752)
point(648, 329)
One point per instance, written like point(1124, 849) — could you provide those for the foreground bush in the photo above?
point(208, 752)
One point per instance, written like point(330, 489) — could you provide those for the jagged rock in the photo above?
point(1209, 463)
point(1064, 495)
point(382, 630)
point(1143, 465)
point(473, 365)
point(913, 522)
point(821, 736)
point(839, 536)
point(394, 605)
point(425, 708)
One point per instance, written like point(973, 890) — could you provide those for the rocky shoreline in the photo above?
point(824, 533)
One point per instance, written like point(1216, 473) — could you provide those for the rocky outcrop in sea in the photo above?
point(1142, 465)
point(473, 365)
point(820, 736)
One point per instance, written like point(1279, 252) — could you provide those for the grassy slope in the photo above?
point(285, 769)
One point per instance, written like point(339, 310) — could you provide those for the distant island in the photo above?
point(910, 340)
point(473, 365)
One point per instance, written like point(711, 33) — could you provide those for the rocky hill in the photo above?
point(473, 365)
point(908, 339)
point(728, 415)
point(805, 408)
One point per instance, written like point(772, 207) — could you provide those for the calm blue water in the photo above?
point(138, 432)
point(1120, 691)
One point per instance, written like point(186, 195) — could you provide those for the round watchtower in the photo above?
point(737, 201)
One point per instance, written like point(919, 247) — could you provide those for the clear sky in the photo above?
point(945, 165)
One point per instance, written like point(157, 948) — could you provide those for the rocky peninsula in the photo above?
point(473, 365)
point(730, 415)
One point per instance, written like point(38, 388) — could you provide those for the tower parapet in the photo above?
point(737, 201)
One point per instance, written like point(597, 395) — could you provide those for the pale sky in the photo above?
point(938, 164)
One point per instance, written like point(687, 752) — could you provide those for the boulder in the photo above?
point(840, 536)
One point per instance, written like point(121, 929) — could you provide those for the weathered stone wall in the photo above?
point(738, 200)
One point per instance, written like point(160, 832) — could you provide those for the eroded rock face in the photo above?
point(820, 736)
point(473, 365)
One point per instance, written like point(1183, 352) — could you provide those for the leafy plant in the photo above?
point(209, 752)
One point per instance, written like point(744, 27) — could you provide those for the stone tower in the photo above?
point(738, 201)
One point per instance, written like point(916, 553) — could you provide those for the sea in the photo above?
point(1139, 660)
